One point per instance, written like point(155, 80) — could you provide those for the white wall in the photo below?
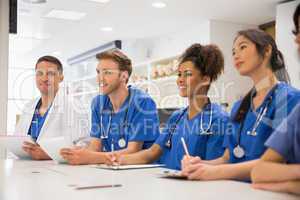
point(175, 43)
point(4, 5)
point(285, 39)
point(167, 45)
point(231, 86)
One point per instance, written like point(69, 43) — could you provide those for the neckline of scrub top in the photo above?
point(38, 106)
point(37, 116)
point(270, 93)
point(203, 110)
point(125, 105)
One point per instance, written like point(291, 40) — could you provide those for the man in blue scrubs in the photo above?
point(124, 119)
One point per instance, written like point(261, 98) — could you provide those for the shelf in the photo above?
point(163, 88)
point(163, 60)
point(165, 79)
point(84, 93)
point(86, 78)
point(140, 65)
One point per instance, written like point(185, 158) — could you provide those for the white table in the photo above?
point(39, 180)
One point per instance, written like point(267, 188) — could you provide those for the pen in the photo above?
point(185, 147)
point(97, 186)
point(112, 145)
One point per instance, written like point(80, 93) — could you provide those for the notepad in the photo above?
point(127, 167)
point(14, 144)
point(52, 147)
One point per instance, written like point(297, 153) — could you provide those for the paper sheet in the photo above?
point(52, 147)
point(14, 144)
point(125, 167)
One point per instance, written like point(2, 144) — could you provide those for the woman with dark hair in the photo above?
point(296, 32)
point(256, 116)
point(279, 167)
point(202, 124)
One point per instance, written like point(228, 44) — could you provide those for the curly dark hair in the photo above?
point(208, 59)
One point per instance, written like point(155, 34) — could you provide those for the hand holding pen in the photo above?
point(188, 159)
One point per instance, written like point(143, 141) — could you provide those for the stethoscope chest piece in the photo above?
point(206, 132)
point(252, 133)
point(122, 142)
point(238, 152)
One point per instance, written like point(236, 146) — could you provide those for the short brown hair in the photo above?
point(50, 59)
point(208, 59)
point(119, 57)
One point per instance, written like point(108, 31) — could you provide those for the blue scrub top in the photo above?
point(142, 120)
point(284, 99)
point(286, 138)
point(208, 147)
point(37, 122)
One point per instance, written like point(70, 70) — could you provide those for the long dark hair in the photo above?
point(262, 40)
point(296, 19)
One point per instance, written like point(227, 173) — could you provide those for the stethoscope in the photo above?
point(239, 151)
point(202, 131)
point(104, 133)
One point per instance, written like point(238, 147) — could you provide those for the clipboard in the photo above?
point(127, 167)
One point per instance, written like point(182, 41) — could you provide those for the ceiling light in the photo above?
point(101, 1)
point(64, 14)
point(159, 4)
point(34, 1)
point(106, 29)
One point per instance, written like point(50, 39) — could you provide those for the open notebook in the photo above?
point(125, 167)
